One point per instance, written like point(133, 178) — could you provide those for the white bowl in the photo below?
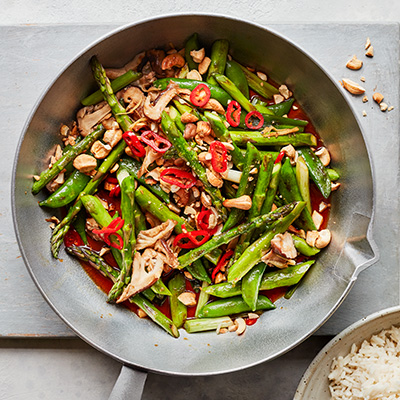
point(314, 384)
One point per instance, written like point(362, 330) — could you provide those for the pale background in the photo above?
point(69, 369)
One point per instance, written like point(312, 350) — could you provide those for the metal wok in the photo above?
point(139, 343)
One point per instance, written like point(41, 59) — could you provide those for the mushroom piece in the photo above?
point(146, 270)
point(154, 111)
point(133, 64)
point(90, 116)
point(283, 244)
point(91, 224)
point(170, 258)
point(149, 237)
point(276, 260)
point(149, 158)
point(133, 97)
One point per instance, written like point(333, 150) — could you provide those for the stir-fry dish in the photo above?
point(193, 189)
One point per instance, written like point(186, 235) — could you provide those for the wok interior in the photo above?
point(119, 332)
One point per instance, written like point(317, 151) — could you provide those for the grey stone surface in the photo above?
point(34, 55)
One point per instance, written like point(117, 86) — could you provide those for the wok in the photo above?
point(139, 343)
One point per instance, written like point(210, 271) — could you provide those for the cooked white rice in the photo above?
point(370, 372)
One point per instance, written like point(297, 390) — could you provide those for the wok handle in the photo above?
point(129, 385)
point(360, 250)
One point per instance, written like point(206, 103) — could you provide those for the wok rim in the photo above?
point(75, 329)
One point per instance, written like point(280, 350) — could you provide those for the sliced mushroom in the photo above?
point(149, 158)
point(146, 270)
point(283, 244)
point(276, 260)
point(149, 237)
point(156, 58)
point(90, 225)
point(291, 153)
point(154, 111)
point(133, 97)
point(170, 258)
point(133, 64)
point(90, 116)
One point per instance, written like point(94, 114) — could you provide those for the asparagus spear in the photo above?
point(86, 254)
point(190, 156)
point(127, 185)
point(66, 158)
point(272, 189)
point(153, 205)
point(156, 315)
point(246, 185)
point(140, 219)
point(231, 88)
point(261, 140)
point(207, 324)
point(117, 84)
point(133, 166)
point(258, 85)
point(252, 255)
point(191, 44)
point(303, 181)
point(270, 280)
point(275, 120)
point(203, 299)
point(125, 122)
point(223, 238)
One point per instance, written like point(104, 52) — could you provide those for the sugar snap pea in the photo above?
point(217, 92)
point(219, 53)
point(237, 76)
point(317, 171)
point(177, 286)
point(233, 305)
point(68, 191)
point(290, 191)
point(251, 285)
